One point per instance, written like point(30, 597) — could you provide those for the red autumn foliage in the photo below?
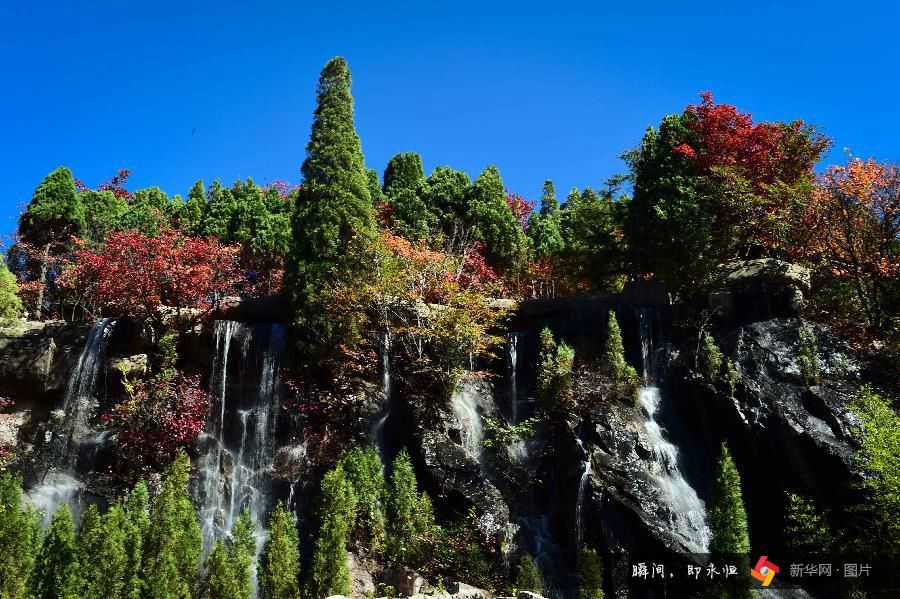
point(150, 277)
point(521, 207)
point(475, 274)
point(158, 419)
point(117, 184)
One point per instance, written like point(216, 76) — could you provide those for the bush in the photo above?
point(806, 529)
point(710, 357)
point(808, 356)
point(624, 377)
point(590, 573)
point(555, 382)
point(528, 577)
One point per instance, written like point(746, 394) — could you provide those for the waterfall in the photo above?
point(72, 430)
point(377, 434)
point(582, 495)
point(518, 450)
point(240, 433)
point(464, 404)
point(685, 511)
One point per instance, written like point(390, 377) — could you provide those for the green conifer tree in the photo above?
point(329, 574)
point(20, 539)
point(280, 563)
point(545, 227)
point(56, 574)
point(730, 540)
point(190, 217)
point(148, 212)
point(374, 188)
point(493, 222)
point(806, 530)
point(10, 303)
point(590, 573)
point(242, 551)
point(173, 541)
point(403, 181)
point(219, 214)
point(624, 376)
point(333, 224)
point(445, 193)
point(219, 582)
point(555, 382)
point(136, 522)
point(528, 577)
point(102, 213)
point(364, 472)
point(409, 513)
point(91, 551)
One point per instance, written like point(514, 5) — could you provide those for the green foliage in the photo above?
point(90, 551)
point(55, 211)
point(545, 227)
point(493, 222)
point(102, 214)
point(219, 214)
point(147, 213)
point(878, 434)
point(732, 376)
point(364, 474)
point(445, 192)
point(806, 529)
point(554, 379)
point(20, 538)
point(190, 216)
point(10, 304)
point(173, 541)
point(229, 566)
point(403, 179)
point(730, 540)
point(329, 574)
point(56, 573)
point(594, 245)
point(409, 513)
point(808, 356)
point(590, 573)
point(710, 358)
point(499, 434)
point(333, 224)
point(375, 188)
point(528, 577)
point(280, 562)
point(219, 582)
point(624, 377)
point(137, 521)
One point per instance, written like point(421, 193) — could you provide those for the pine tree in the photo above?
point(329, 574)
point(624, 376)
point(220, 581)
point(20, 539)
point(90, 551)
point(528, 577)
point(190, 217)
point(364, 473)
point(806, 529)
point(403, 181)
point(56, 574)
point(593, 241)
point(409, 513)
point(280, 562)
point(102, 212)
point(493, 222)
point(219, 214)
point(554, 384)
point(173, 542)
point(113, 550)
point(55, 211)
point(590, 572)
point(136, 522)
point(730, 541)
point(242, 551)
point(148, 212)
point(333, 224)
point(374, 188)
point(445, 193)
point(545, 227)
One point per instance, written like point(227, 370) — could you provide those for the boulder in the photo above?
point(404, 581)
point(465, 591)
point(759, 289)
point(361, 582)
point(528, 595)
point(36, 358)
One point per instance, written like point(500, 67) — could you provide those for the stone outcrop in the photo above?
point(37, 357)
point(759, 289)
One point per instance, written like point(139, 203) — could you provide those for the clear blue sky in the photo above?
point(550, 89)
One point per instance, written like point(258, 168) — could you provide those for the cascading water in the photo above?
point(582, 495)
point(235, 472)
point(518, 450)
point(72, 430)
point(464, 404)
point(685, 511)
point(377, 434)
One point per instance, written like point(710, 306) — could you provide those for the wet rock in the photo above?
point(405, 581)
point(465, 591)
point(129, 366)
point(759, 289)
point(528, 595)
point(36, 358)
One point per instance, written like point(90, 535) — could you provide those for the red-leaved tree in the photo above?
point(155, 279)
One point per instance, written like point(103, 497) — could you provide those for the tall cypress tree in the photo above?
point(136, 523)
point(364, 473)
point(56, 574)
point(20, 539)
point(409, 513)
point(528, 577)
point(190, 217)
point(493, 222)
point(219, 581)
point(280, 563)
point(403, 180)
point(730, 542)
point(445, 193)
point(333, 224)
point(90, 551)
point(545, 227)
point(590, 573)
point(329, 574)
point(173, 542)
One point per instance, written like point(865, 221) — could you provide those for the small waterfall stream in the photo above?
point(686, 512)
point(72, 431)
point(377, 433)
point(582, 495)
point(240, 433)
point(464, 404)
point(518, 450)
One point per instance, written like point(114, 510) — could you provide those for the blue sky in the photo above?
point(186, 90)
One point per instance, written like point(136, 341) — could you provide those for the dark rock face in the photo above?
point(760, 289)
point(36, 358)
point(782, 433)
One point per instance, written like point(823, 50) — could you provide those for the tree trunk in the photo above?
point(39, 305)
